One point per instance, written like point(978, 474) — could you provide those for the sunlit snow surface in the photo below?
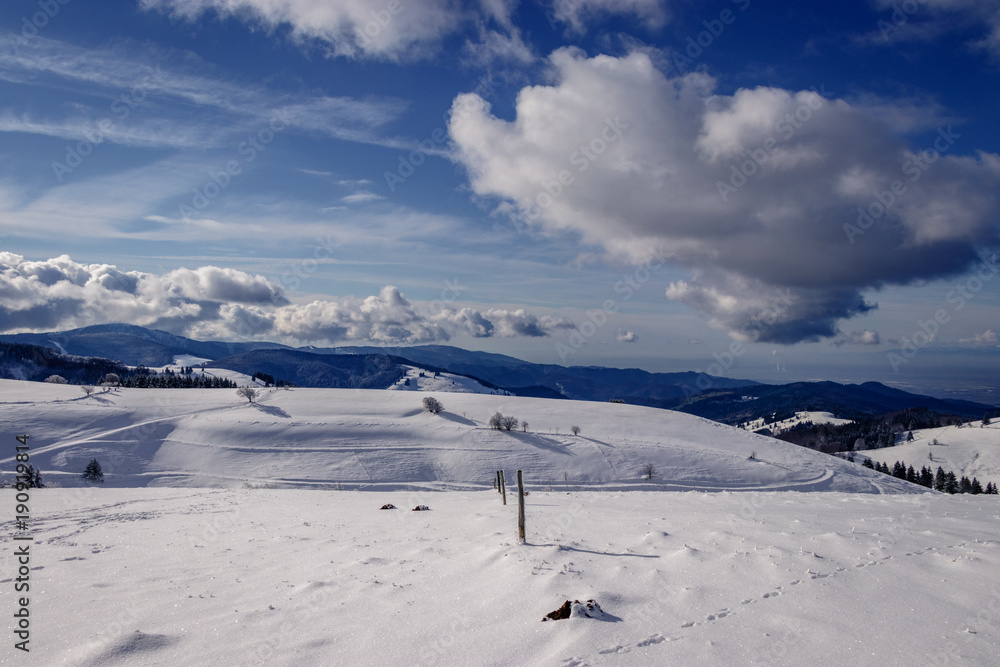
point(796, 572)
point(293, 577)
point(366, 438)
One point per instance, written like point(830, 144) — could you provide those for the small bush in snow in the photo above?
point(432, 405)
point(56, 379)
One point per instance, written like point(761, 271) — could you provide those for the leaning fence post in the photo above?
point(503, 487)
point(520, 507)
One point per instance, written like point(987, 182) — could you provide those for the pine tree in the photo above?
point(927, 477)
point(977, 488)
point(940, 479)
point(868, 464)
point(964, 485)
point(93, 472)
point(911, 475)
point(950, 482)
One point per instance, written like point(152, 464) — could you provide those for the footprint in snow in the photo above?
point(772, 594)
point(574, 662)
point(614, 649)
point(689, 624)
point(652, 639)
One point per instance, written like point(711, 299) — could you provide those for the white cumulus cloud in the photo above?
point(759, 193)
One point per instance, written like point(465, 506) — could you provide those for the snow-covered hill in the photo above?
point(419, 379)
point(972, 450)
point(365, 438)
point(779, 427)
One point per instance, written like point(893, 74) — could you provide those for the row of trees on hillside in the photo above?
point(869, 433)
point(175, 381)
point(946, 482)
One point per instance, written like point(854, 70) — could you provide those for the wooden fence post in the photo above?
point(520, 507)
point(503, 487)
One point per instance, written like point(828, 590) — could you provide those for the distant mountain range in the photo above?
point(847, 401)
point(586, 383)
point(362, 371)
point(132, 345)
point(727, 400)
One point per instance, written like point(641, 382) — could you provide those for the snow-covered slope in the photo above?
point(779, 427)
point(150, 577)
point(419, 379)
point(971, 450)
point(316, 437)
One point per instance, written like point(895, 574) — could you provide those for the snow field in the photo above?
point(297, 577)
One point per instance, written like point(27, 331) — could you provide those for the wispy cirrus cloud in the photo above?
point(578, 14)
point(930, 20)
point(183, 103)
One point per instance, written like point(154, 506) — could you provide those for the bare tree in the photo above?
point(248, 393)
point(496, 421)
point(575, 429)
point(648, 471)
point(432, 405)
point(524, 426)
point(87, 389)
point(509, 423)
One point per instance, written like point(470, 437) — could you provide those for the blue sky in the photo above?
point(757, 189)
